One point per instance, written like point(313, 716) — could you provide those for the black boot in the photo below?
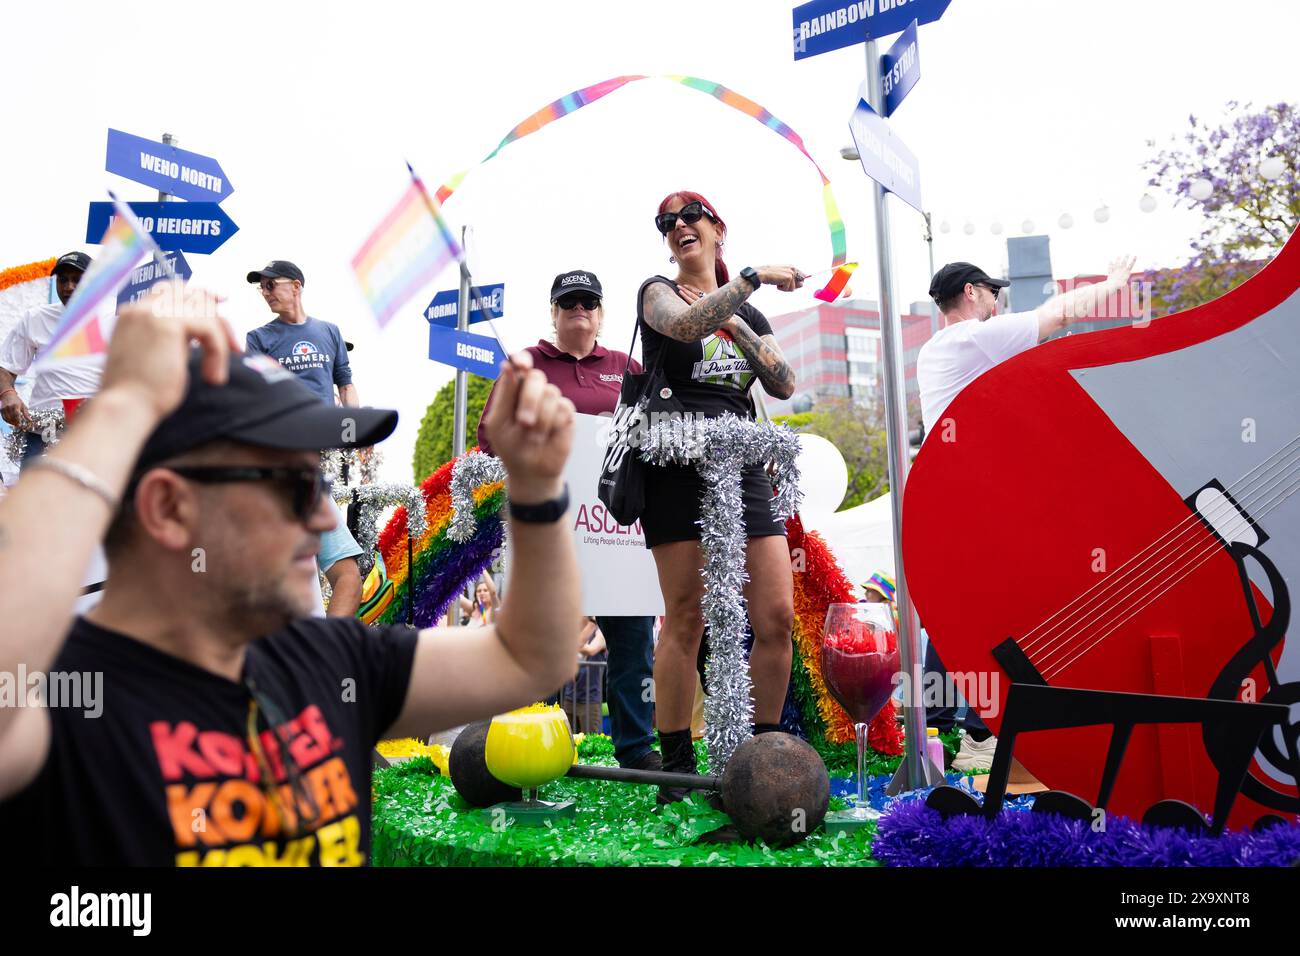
point(678, 757)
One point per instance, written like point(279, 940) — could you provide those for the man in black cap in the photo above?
point(312, 349)
point(224, 727)
point(71, 380)
point(972, 341)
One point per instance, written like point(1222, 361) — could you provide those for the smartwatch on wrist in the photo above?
point(544, 512)
point(749, 273)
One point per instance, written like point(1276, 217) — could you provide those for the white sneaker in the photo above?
point(975, 755)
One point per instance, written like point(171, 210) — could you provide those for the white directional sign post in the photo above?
point(821, 26)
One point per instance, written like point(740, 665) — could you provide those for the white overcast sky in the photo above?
point(1025, 109)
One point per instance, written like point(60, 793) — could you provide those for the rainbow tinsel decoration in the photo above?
point(442, 567)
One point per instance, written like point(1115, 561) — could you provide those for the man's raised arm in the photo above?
point(463, 674)
point(1081, 303)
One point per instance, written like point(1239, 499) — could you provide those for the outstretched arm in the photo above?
point(1078, 304)
point(466, 674)
point(667, 314)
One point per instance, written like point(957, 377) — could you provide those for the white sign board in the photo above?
point(618, 571)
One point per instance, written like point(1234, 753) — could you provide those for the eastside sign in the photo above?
point(480, 354)
point(825, 25)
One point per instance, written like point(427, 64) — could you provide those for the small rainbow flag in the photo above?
point(404, 252)
point(831, 291)
point(87, 321)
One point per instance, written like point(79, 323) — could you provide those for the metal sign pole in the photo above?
point(916, 770)
point(169, 140)
point(462, 377)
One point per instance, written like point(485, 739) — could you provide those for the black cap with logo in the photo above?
point(953, 277)
point(277, 269)
point(263, 404)
point(72, 260)
point(577, 281)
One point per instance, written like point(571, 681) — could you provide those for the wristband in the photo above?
point(545, 512)
point(751, 275)
point(6, 391)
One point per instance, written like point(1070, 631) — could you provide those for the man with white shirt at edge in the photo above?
point(71, 379)
point(973, 340)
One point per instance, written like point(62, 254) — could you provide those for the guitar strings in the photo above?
point(1059, 669)
point(1154, 573)
point(1208, 543)
point(1191, 520)
point(1208, 550)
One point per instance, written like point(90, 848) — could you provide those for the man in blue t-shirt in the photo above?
point(315, 352)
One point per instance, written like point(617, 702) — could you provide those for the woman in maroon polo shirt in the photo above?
point(712, 345)
point(591, 375)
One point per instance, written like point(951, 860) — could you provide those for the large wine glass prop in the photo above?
point(859, 661)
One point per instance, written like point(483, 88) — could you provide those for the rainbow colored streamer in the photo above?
point(404, 252)
point(576, 100)
point(833, 289)
point(85, 326)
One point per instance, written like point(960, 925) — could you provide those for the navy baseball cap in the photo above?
point(953, 277)
point(277, 269)
point(263, 404)
point(72, 260)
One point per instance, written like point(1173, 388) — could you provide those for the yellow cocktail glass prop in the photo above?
point(529, 747)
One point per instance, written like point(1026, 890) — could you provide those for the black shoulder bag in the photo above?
point(623, 475)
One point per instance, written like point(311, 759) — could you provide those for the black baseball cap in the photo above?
point(261, 404)
point(953, 277)
point(577, 281)
point(72, 260)
point(277, 269)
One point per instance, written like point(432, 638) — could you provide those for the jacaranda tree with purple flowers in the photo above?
point(1247, 217)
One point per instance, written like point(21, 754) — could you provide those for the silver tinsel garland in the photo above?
point(372, 500)
point(359, 472)
point(49, 424)
point(721, 448)
point(470, 471)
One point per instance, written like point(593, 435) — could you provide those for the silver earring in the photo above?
point(672, 261)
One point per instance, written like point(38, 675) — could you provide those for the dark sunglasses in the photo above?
point(588, 302)
point(690, 214)
point(306, 485)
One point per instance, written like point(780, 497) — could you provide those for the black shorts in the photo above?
point(672, 504)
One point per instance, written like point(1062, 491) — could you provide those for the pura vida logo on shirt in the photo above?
point(133, 910)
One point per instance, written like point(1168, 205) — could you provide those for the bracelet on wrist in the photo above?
point(79, 474)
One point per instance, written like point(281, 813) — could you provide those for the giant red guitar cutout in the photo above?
point(1116, 511)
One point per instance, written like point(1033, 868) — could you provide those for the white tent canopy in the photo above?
point(861, 538)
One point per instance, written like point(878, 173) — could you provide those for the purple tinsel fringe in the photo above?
point(453, 569)
point(911, 834)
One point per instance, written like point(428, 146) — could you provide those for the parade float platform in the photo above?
point(420, 820)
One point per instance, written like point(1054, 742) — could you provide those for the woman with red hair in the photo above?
point(712, 345)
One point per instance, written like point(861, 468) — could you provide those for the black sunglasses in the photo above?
point(690, 214)
point(588, 302)
point(307, 485)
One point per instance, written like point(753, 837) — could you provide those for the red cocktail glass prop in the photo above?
point(859, 661)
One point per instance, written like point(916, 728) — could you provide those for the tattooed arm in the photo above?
point(667, 314)
point(764, 356)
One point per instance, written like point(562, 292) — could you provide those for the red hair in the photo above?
point(719, 267)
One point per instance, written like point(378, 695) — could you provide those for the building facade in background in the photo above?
point(834, 350)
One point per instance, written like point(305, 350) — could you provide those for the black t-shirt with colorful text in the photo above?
point(167, 774)
point(711, 376)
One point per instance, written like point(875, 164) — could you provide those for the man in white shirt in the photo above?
point(972, 341)
point(72, 380)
